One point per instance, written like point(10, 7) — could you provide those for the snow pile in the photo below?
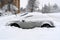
point(13, 33)
point(6, 19)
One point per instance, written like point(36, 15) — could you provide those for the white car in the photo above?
point(31, 20)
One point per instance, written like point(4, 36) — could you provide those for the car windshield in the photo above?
point(24, 14)
point(29, 16)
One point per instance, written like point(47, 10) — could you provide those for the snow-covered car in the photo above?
point(31, 20)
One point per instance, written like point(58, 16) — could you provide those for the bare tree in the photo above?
point(9, 2)
point(32, 5)
point(46, 9)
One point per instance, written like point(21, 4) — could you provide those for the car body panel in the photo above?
point(34, 20)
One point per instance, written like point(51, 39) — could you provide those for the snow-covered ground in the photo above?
point(14, 33)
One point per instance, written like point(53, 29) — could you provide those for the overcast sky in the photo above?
point(23, 3)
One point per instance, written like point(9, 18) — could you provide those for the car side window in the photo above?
point(29, 16)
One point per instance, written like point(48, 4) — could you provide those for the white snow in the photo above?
point(14, 33)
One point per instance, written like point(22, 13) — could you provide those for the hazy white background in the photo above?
point(23, 3)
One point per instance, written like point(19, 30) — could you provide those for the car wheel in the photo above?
point(14, 24)
point(46, 25)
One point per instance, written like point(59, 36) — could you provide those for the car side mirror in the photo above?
point(23, 20)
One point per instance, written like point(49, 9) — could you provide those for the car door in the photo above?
point(32, 20)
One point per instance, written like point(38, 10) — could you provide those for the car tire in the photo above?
point(15, 25)
point(46, 25)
